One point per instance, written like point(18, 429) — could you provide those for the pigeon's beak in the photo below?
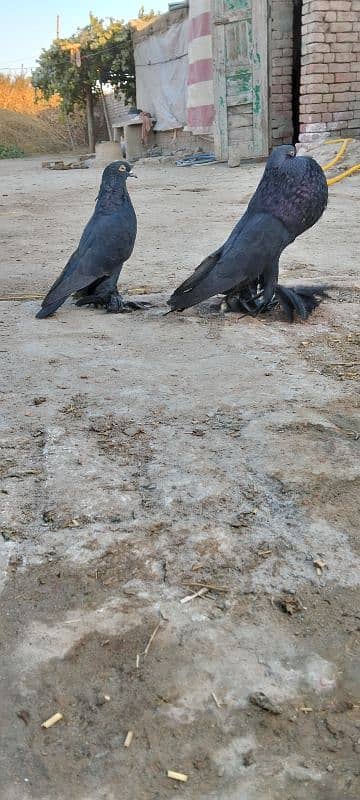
point(132, 175)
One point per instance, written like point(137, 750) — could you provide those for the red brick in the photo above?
point(315, 127)
point(318, 5)
point(354, 67)
point(313, 99)
point(318, 27)
point(313, 88)
point(356, 5)
point(343, 77)
point(340, 5)
point(356, 47)
point(339, 87)
point(315, 108)
point(330, 37)
point(276, 71)
point(334, 126)
point(338, 106)
point(354, 123)
point(342, 58)
point(312, 38)
point(351, 16)
point(314, 58)
point(315, 69)
point(340, 47)
point(355, 86)
point(309, 118)
point(342, 97)
point(340, 27)
point(329, 58)
point(346, 37)
point(342, 67)
point(327, 98)
point(281, 62)
point(326, 117)
point(312, 78)
point(277, 51)
point(343, 115)
point(356, 25)
point(330, 16)
point(320, 47)
point(314, 16)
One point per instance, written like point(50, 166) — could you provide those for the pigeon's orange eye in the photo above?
point(122, 168)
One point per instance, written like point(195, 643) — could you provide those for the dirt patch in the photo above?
point(146, 458)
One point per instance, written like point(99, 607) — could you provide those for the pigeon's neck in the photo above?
point(111, 198)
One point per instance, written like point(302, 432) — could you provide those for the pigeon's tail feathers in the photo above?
point(48, 309)
point(300, 299)
point(197, 287)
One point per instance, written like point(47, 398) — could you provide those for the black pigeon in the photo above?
point(93, 270)
point(291, 196)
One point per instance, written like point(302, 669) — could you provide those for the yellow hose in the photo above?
point(337, 158)
point(343, 175)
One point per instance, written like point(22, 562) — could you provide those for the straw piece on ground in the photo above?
point(129, 738)
point(177, 776)
point(152, 637)
point(216, 701)
point(52, 720)
point(190, 597)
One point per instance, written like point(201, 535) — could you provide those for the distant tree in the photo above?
point(76, 68)
point(147, 15)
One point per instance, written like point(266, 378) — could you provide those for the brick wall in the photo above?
point(281, 61)
point(330, 69)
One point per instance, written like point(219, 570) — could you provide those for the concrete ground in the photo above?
point(145, 457)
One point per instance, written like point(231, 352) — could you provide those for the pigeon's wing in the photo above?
point(245, 256)
point(105, 243)
point(207, 265)
point(298, 197)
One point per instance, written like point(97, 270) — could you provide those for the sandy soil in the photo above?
point(143, 456)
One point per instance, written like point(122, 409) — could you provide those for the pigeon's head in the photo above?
point(281, 155)
point(117, 173)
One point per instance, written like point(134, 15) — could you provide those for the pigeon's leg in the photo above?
point(117, 305)
point(244, 299)
point(105, 294)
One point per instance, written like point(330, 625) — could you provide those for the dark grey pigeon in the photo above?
point(93, 270)
point(291, 196)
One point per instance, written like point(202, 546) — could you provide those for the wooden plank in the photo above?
point(260, 78)
point(239, 120)
point(241, 135)
point(238, 151)
point(219, 60)
point(238, 46)
point(243, 109)
point(239, 98)
point(233, 16)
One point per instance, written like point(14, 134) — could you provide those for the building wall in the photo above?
point(330, 69)
point(280, 69)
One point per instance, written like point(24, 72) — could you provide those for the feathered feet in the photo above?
point(300, 300)
point(113, 303)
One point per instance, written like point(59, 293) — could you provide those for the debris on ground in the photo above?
point(262, 700)
point(62, 165)
point(177, 776)
point(52, 720)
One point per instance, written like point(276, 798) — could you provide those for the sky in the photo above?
point(28, 26)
